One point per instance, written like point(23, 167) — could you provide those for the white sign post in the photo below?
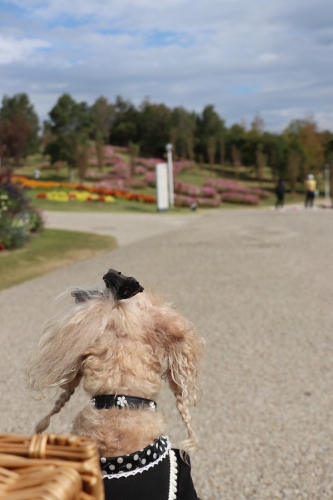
point(162, 187)
point(168, 147)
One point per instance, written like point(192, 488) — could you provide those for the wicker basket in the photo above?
point(49, 467)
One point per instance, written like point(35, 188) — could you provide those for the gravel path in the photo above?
point(127, 228)
point(259, 286)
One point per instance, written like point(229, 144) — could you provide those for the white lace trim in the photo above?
point(142, 469)
point(173, 475)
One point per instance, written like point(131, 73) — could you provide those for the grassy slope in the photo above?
point(48, 251)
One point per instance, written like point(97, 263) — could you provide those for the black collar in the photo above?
point(105, 401)
point(129, 465)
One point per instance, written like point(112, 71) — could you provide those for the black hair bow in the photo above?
point(121, 286)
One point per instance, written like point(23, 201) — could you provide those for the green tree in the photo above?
point(154, 128)
point(183, 129)
point(70, 124)
point(125, 123)
point(18, 127)
point(209, 125)
point(103, 115)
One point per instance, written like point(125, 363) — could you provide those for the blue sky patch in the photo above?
point(10, 9)
point(157, 38)
point(244, 89)
point(64, 21)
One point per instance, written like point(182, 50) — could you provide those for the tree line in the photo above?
point(147, 128)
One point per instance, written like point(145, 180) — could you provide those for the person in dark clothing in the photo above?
point(280, 192)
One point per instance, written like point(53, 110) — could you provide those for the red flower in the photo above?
point(2, 246)
point(41, 195)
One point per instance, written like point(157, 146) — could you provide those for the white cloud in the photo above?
point(19, 49)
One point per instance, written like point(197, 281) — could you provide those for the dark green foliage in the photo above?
point(70, 125)
point(18, 127)
point(17, 218)
point(210, 130)
point(102, 115)
point(125, 123)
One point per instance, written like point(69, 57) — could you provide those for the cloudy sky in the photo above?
point(272, 57)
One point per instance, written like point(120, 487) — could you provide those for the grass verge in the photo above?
point(50, 250)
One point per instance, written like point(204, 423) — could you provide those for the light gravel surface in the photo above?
point(126, 227)
point(259, 285)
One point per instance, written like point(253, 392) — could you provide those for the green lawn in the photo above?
point(48, 251)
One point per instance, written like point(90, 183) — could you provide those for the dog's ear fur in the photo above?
point(184, 355)
point(63, 347)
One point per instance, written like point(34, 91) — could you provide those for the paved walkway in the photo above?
point(127, 228)
point(259, 286)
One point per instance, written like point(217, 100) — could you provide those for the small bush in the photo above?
point(17, 218)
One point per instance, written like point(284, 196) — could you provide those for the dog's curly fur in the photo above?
point(119, 347)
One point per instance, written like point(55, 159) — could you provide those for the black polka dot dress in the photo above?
point(155, 473)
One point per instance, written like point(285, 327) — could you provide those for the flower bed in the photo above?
point(187, 201)
point(149, 163)
point(193, 190)
point(225, 186)
point(116, 193)
point(17, 218)
point(82, 196)
point(234, 197)
point(261, 193)
point(111, 184)
point(150, 179)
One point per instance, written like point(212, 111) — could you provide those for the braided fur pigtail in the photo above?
point(64, 397)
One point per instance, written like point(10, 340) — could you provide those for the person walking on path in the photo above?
point(310, 186)
point(280, 192)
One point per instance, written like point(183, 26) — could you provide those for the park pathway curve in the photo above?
point(259, 286)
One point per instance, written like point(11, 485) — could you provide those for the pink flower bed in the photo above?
point(140, 170)
point(111, 184)
point(149, 163)
point(150, 179)
point(261, 193)
point(192, 190)
point(186, 201)
point(108, 161)
point(235, 197)
point(93, 161)
point(224, 186)
point(108, 151)
point(45, 164)
point(179, 166)
point(121, 170)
